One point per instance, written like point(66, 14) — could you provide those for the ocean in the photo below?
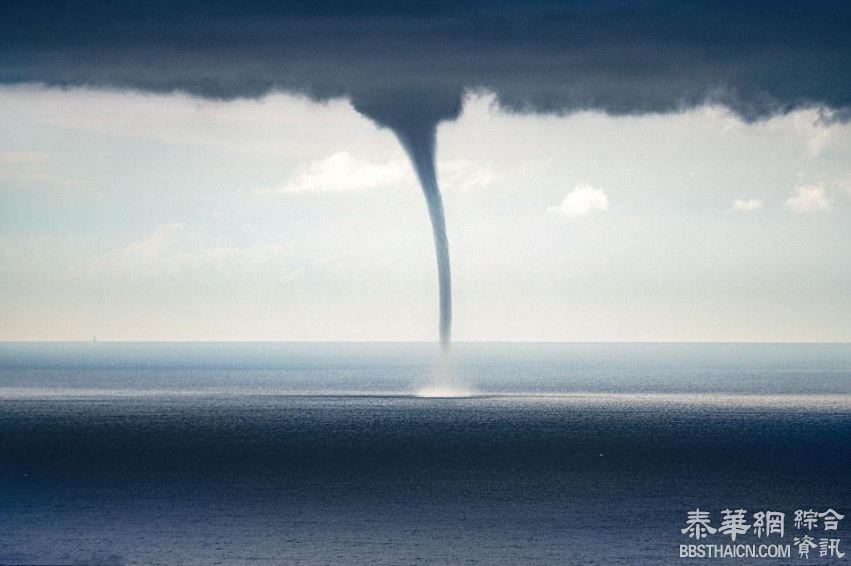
point(245, 453)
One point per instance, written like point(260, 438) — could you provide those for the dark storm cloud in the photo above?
point(757, 58)
point(406, 64)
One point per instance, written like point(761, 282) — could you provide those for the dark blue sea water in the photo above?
point(324, 453)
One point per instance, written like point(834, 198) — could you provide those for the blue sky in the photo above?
point(166, 217)
point(611, 170)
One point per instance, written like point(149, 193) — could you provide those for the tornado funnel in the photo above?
point(420, 146)
point(414, 117)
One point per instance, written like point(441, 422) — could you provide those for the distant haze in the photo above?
point(165, 217)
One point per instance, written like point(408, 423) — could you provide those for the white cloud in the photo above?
point(808, 198)
point(31, 168)
point(238, 127)
point(22, 158)
point(816, 133)
point(845, 184)
point(172, 249)
point(582, 200)
point(344, 172)
point(464, 175)
point(746, 205)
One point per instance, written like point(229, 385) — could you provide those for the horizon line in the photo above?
point(431, 342)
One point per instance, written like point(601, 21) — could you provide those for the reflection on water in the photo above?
point(309, 454)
